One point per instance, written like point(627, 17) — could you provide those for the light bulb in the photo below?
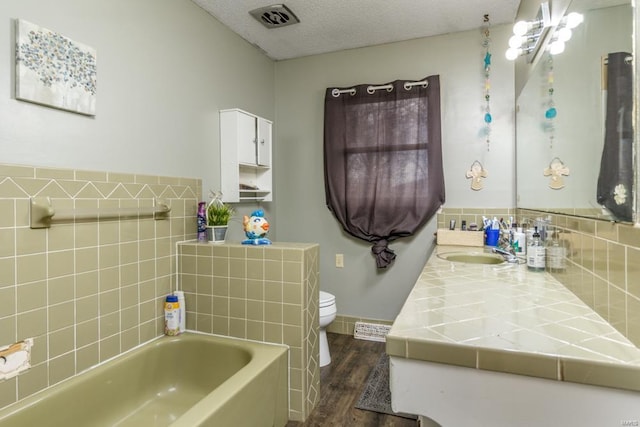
point(516, 41)
point(520, 28)
point(574, 19)
point(564, 34)
point(512, 53)
point(556, 47)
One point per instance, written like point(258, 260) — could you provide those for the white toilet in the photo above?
point(327, 315)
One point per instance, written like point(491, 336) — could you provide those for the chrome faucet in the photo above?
point(508, 255)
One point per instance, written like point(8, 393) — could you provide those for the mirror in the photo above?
point(559, 153)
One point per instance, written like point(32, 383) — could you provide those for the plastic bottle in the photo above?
point(202, 222)
point(171, 315)
point(183, 310)
point(512, 232)
point(519, 240)
point(535, 252)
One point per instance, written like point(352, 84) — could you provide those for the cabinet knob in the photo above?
point(262, 141)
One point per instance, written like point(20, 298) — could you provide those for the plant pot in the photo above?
point(216, 233)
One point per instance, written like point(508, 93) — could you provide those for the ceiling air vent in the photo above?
point(275, 16)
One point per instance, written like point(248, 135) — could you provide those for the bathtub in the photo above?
point(184, 381)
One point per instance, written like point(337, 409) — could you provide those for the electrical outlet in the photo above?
point(339, 260)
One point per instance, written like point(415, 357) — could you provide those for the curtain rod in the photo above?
point(371, 89)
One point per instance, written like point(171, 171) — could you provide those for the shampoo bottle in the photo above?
point(171, 315)
point(182, 310)
point(202, 222)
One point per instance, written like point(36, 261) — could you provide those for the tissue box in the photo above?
point(459, 237)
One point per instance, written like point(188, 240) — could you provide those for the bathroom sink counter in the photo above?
point(504, 318)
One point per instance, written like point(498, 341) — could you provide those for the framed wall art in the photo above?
point(53, 70)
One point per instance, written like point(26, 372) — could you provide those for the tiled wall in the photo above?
point(471, 216)
point(264, 293)
point(85, 290)
point(603, 267)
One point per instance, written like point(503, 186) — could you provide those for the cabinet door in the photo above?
point(246, 139)
point(264, 142)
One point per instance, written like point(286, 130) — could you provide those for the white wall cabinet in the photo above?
point(245, 157)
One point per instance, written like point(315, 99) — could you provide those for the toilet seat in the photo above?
point(326, 299)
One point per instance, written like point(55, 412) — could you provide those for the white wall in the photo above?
point(360, 289)
point(165, 68)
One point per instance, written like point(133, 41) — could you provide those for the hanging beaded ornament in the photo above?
point(486, 43)
point(551, 112)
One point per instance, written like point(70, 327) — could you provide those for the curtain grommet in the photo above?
point(336, 92)
point(408, 86)
point(372, 89)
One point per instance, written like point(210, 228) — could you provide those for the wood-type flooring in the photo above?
point(341, 384)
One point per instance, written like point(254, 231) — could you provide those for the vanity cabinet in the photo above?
point(245, 156)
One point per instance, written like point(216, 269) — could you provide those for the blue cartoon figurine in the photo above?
point(256, 227)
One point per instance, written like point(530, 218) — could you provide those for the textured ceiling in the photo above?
point(332, 25)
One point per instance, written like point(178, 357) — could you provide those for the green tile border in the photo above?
point(451, 354)
point(600, 374)
point(519, 363)
point(534, 365)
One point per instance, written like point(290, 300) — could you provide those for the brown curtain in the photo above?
point(615, 181)
point(383, 161)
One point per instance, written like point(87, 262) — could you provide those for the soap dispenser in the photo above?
point(536, 252)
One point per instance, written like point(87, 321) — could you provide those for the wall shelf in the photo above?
point(245, 157)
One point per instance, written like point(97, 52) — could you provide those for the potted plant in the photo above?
point(218, 216)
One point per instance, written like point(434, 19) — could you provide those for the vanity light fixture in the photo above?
point(556, 47)
point(563, 32)
point(572, 20)
point(528, 35)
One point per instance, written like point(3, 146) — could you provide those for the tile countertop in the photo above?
point(505, 318)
